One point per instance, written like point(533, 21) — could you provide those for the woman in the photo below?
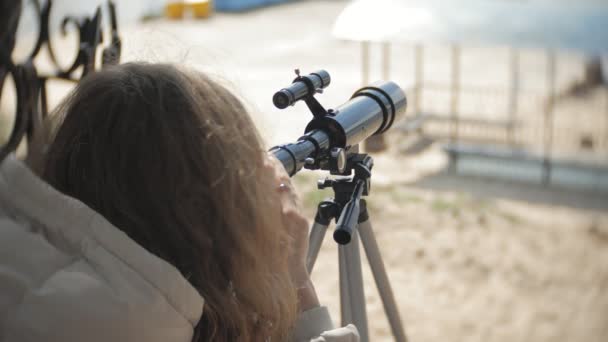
point(171, 159)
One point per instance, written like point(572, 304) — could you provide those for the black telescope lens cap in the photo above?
point(341, 236)
point(280, 100)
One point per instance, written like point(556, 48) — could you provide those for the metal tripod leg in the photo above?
point(351, 282)
point(382, 282)
point(325, 213)
point(345, 307)
point(317, 234)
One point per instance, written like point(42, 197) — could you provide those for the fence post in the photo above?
point(513, 96)
point(549, 118)
point(606, 118)
point(364, 63)
point(386, 60)
point(454, 104)
point(377, 143)
point(419, 77)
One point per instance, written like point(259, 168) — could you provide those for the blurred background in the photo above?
point(489, 201)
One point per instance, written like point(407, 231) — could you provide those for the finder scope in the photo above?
point(302, 87)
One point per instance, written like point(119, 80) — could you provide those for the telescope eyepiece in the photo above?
point(283, 99)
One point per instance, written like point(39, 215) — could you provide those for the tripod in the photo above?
point(352, 224)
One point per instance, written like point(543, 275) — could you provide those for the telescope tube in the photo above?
point(293, 156)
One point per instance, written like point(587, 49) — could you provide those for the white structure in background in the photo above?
point(580, 25)
point(377, 20)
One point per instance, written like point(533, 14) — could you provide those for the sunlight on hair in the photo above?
point(157, 45)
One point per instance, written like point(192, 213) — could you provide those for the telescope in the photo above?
point(330, 142)
point(333, 133)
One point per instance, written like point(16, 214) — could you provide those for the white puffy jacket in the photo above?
point(68, 275)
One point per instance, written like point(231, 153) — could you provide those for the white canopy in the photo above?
point(574, 25)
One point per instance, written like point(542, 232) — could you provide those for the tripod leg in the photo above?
point(317, 234)
point(345, 308)
point(382, 282)
point(326, 211)
point(354, 283)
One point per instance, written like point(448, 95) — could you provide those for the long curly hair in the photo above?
point(173, 159)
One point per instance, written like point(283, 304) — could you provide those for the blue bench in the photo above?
point(522, 165)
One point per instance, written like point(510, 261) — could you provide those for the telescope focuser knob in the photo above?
point(337, 160)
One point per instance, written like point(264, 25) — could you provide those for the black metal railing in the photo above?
point(30, 84)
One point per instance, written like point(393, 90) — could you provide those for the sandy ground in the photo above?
point(469, 259)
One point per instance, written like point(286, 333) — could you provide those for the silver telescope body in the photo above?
point(371, 110)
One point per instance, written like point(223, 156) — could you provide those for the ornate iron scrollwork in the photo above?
point(30, 85)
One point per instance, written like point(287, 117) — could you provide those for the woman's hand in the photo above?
point(293, 220)
point(297, 227)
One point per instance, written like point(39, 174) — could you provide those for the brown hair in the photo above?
point(172, 159)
